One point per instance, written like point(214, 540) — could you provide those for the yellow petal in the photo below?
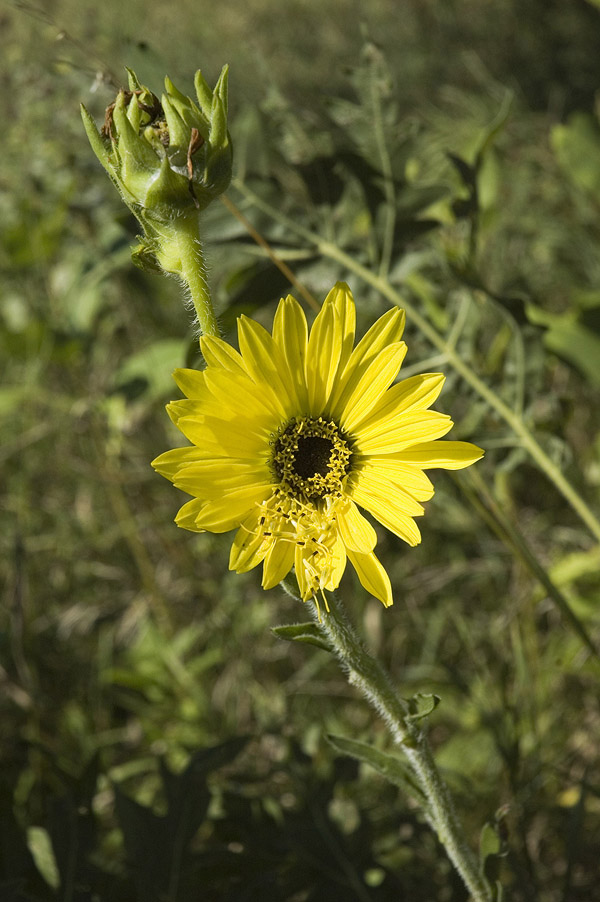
point(186, 516)
point(392, 511)
point(370, 483)
point(412, 429)
point(221, 438)
point(337, 565)
point(191, 382)
point(278, 562)
point(213, 478)
point(305, 582)
point(443, 455)
point(218, 353)
point(387, 330)
point(179, 409)
point(356, 532)
point(384, 331)
point(341, 298)
point(249, 547)
point(261, 358)
point(290, 334)
point(240, 395)
point(372, 575)
point(171, 462)
point(227, 512)
point(324, 349)
point(405, 475)
point(373, 383)
point(416, 393)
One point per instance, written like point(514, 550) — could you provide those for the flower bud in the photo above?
point(168, 157)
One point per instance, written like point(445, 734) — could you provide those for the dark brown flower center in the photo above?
point(311, 457)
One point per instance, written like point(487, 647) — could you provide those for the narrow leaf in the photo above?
point(303, 632)
point(421, 705)
point(389, 766)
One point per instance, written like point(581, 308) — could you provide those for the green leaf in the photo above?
point(489, 842)
point(492, 848)
point(40, 846)
point(154, 366)
point(144, 257)
point(95, 139)
point(577, 149)
point(421, 705)
point(415, 199)
point(389, 766)
point(303, 632)
point(568, 337)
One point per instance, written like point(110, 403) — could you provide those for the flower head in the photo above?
point(296, 432)
point(168, 157)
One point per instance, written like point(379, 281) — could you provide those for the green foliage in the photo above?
point(461, 162)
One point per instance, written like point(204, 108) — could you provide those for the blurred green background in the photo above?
point(158, 743)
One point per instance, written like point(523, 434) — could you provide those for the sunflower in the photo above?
point(296, 432)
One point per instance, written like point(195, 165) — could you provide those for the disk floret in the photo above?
point(311, 458)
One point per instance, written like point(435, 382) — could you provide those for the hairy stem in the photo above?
point(180, 253)
point(376, 685)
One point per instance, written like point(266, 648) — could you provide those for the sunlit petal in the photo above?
point(372, 575)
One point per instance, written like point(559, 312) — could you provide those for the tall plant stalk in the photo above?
point(375, 684)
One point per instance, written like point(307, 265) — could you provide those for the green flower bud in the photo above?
point(168, 157)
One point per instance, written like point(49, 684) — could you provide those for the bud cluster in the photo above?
point(168, 157)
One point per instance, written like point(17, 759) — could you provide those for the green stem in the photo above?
point(509, 532)
point(328, 249)
point(376, 685)
point(388, 180)
point(181, 254)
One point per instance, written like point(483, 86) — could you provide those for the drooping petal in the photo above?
point(392, 511)
point(336, 566)
point(278, 562)
point(356, 532)
point(443, 455)
point(249, 547)
point(372, 575)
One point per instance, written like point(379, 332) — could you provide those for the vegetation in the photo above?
point(159, 741)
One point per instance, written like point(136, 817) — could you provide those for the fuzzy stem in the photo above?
point(193, 273)
point(376, 685)
point(180, 253)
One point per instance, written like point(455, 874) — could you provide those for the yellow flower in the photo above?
point(296, 432)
